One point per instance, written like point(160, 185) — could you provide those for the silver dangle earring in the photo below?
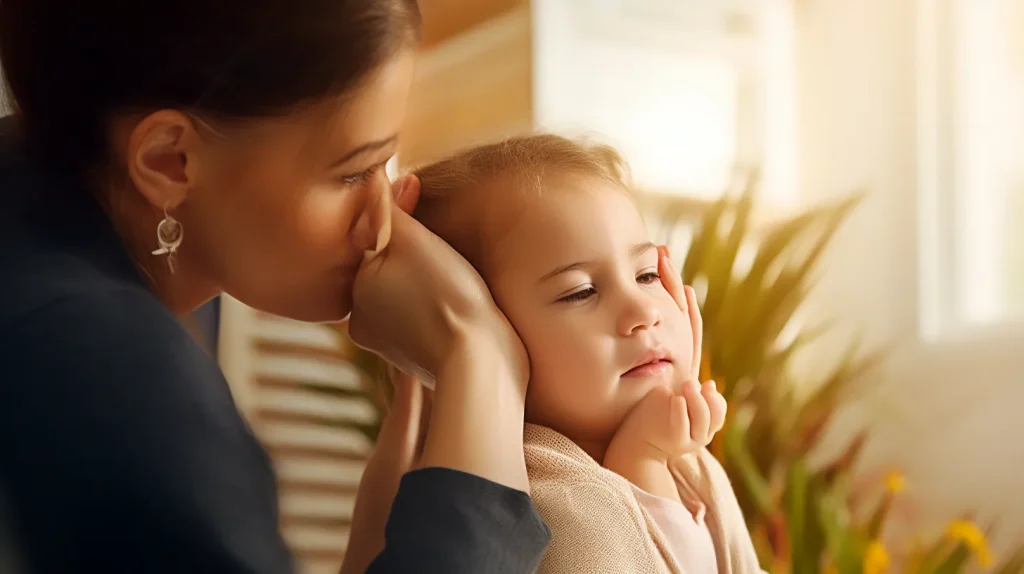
point(169, 234)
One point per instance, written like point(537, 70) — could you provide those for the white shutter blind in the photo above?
point(302, 398)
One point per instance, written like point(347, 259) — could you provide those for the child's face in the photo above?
point(577, 276)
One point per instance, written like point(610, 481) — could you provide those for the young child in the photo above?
point(616, 424)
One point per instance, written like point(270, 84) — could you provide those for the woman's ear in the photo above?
point(163, 157)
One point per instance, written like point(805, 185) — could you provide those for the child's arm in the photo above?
point(665, 426)
point(661, 428)
point(649, 473)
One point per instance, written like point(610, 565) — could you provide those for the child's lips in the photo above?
point(650, 369)
point(653, 361)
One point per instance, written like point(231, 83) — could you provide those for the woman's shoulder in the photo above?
point(109, 359)
point(59, 247)
point(76, 320)
point(108, 362)
point(101, 328)
point(125, 426)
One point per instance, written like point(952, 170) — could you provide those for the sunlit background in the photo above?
point(920, 103)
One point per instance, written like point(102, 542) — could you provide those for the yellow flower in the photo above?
point(971, 536)
point(876, 558)
point(895, 482)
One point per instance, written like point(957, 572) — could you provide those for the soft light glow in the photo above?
point(989, 132)
point(777, 85)
point(685, 112)
point(673, 115)
point(675, 119)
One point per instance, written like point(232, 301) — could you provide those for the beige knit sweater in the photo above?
point(599, 527)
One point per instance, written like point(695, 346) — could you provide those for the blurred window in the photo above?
point(971, 127)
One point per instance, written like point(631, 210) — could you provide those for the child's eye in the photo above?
point(361, 177)
point(576, 296)
point(648, 278)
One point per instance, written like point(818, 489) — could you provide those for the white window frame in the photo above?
point(940, 287)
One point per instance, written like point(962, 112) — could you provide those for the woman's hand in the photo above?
point(398, 449)
point(415, 298)
point(422, 306)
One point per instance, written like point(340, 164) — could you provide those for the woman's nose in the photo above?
point(372, 230)
point(638, 312)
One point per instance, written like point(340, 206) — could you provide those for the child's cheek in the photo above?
point(670, 311)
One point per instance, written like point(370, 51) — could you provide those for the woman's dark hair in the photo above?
point(70, 65)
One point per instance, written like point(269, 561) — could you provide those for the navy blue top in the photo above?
point(121, 449)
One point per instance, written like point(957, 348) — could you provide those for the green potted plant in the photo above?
point(802, 518)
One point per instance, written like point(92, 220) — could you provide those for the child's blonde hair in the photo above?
point(451, 189)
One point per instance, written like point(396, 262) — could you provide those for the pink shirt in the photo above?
point(686, 532)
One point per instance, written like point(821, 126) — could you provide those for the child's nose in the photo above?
point(639, 312)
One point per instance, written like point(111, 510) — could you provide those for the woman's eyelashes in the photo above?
point(362, 177)
point(588, 291)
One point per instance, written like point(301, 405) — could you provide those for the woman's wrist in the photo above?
point(476, 423)
point(488, 335)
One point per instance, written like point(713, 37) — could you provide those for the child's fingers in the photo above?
point(670, 278)
point(679, 419)
point(686, 300)
point(716, 405)
point(697, 325)
point(700, 414)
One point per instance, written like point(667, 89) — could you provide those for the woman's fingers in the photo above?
point(406, 192)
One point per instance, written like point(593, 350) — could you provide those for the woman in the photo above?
point(161, 153)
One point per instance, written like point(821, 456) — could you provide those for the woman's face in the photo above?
point(283, 212)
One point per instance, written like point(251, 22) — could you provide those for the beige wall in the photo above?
point(946, 413)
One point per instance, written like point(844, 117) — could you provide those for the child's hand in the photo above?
point(686, 299)
point(665, 426)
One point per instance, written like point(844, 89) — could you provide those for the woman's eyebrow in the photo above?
point(366, 147)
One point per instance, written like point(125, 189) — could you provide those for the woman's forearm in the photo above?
point(476, 424)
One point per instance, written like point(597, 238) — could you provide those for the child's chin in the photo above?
point(676, 386)
point(673, 386)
